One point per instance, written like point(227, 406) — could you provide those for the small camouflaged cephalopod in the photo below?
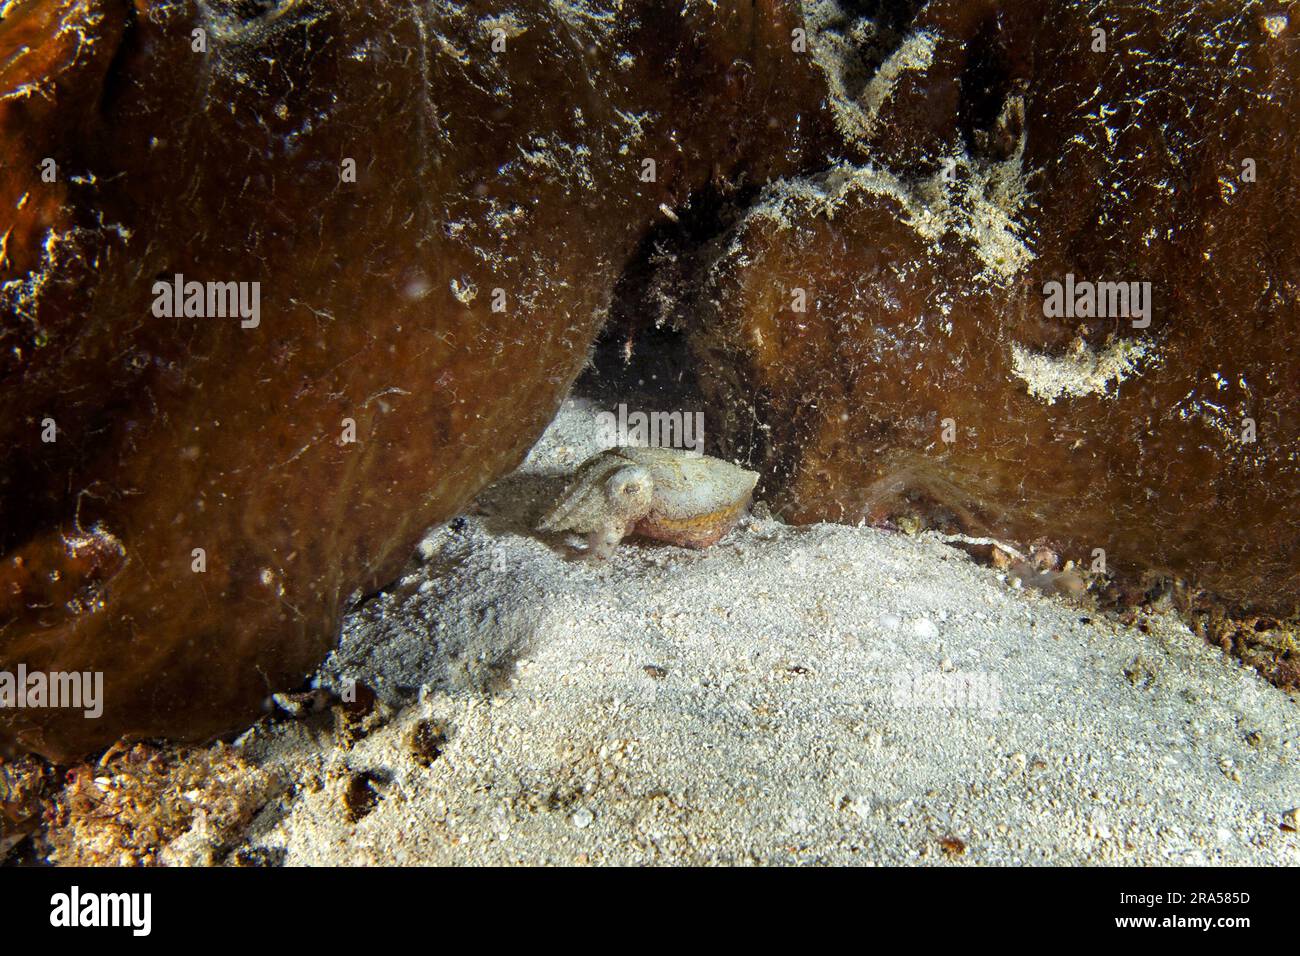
point(658, 493)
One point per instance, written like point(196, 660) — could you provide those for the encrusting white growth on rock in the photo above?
point(983, 213)
point(833, 52)
point(1082, 371)
point(977, 200)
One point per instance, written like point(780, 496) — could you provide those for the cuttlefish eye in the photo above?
point(630, 485)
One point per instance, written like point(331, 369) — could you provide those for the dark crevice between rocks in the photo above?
point(989, 128)
point(650, 355)
point(644, 357)
point(127, 46)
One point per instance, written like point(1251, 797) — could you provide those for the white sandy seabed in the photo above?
point(822, 694)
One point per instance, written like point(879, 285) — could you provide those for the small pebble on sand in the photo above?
point(924, 627)
point(582, 818)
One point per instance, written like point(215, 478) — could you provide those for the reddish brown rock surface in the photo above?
point(476, 169)
point(925, 293)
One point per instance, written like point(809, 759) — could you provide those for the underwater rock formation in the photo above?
point(910, 333)
point(282, 284)
point(434, 205)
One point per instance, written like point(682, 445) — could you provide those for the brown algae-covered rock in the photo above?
point(1050, 304)
point(420, 213)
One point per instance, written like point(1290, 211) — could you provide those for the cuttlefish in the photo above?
point(685, 499)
